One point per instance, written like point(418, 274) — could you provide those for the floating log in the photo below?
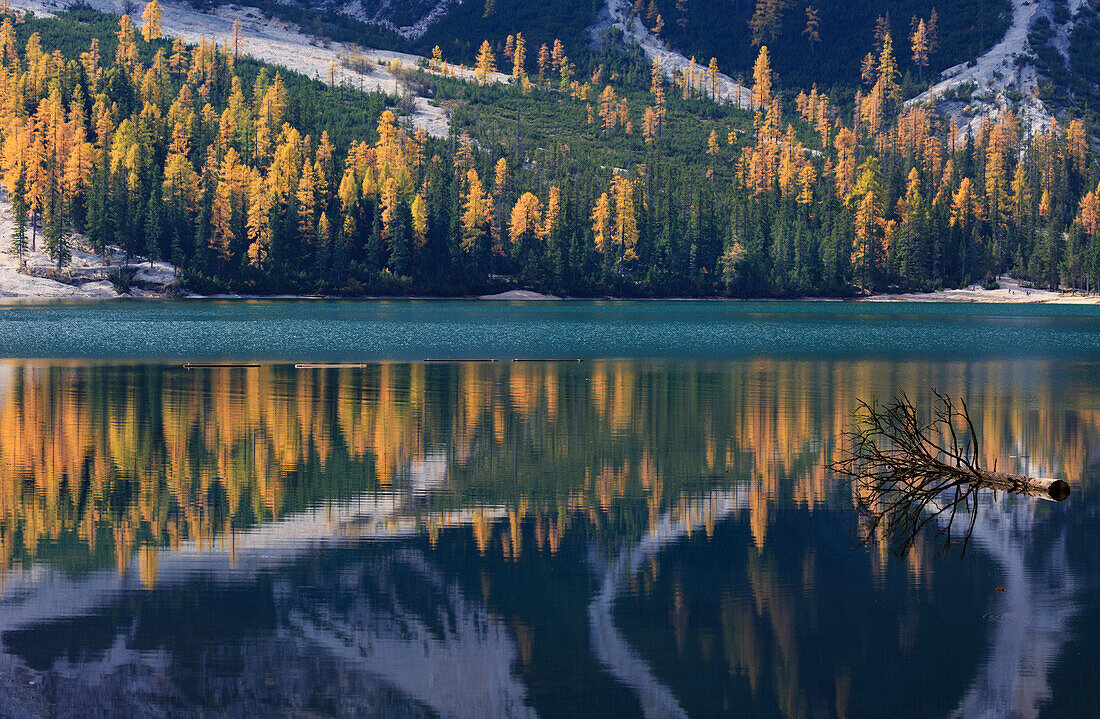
point(1043, 487)
point(330, 365)
point(461, 360)
point(544, 359)
point(218, 365)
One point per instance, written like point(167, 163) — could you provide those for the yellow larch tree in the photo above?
point(8, 54)
point(389, 203)
point(1044, 205)
point(996, 195)
point(867, 230)
point(623, 112)
point(486, 63)
point(626, 222)
point(324, 168)
point(1021, 193)
point(519, 58)
point(180, 182)
point(324, 240)
point(806, 179)
point(238, 40)
point(543, 62)
point(888, 70)
point(177, 61)
point(920, 47)
point(844, 172)
point(227, 200)
point(649, 125)
point(126, 55)
point(557, 55)
point(1089, 213)
point(812, 30)
point(1077, 145)
point(608, 109)
point(419, 211)
point(150, 21)
point(259, 221)
point(553, 210)
point(525, 222)
point(762, 80)
point(789, 160)
point(473, 214)
point(601, 224)
point(962, 205)
point(712, 78)
point(306, 196)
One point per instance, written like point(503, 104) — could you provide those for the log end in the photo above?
point(1058, 490)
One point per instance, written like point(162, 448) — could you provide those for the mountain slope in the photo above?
point(720, 29)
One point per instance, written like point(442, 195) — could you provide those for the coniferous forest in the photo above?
point(587, 173)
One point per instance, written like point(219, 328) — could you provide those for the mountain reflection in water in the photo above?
point(638, 538)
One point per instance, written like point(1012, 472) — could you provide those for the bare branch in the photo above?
point(908, 474)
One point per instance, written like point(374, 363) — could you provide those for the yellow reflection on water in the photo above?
point(135, 456)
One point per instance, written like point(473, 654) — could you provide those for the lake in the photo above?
point(649, 531)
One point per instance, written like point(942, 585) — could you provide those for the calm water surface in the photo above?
point(648, 532)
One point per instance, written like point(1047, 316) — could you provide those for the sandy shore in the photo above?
point(1010, 292)
point(519, 295)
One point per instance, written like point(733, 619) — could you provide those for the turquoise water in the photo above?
point(355, 331)
point(651, 532)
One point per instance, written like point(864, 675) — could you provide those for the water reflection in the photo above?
point(519, 539)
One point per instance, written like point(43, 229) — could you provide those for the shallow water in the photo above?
point(650, 536)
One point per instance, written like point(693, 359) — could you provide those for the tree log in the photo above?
point(1044, 487)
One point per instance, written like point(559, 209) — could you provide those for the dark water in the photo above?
point(653, 536)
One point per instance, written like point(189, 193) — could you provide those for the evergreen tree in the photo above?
point(19, 245)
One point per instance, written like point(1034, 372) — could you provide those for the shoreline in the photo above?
point(88, 280)
point(945, 297)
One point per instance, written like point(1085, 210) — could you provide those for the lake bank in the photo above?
point(87, 277)
point(1010, 291)
point(157, 281)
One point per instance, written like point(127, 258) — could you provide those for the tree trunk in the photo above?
point(1044, 487)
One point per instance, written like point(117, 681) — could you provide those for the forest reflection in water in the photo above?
point(402, 521)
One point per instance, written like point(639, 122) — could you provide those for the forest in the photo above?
point(585, 175)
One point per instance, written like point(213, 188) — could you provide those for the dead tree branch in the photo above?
point(910, 473)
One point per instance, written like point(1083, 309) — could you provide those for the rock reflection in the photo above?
point(1032, 615)
point(611, 647)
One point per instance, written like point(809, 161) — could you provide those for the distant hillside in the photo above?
point(1052, 56)
point(456, 26)
point(463, 28)
point(720, 29)
point(1063, 48)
